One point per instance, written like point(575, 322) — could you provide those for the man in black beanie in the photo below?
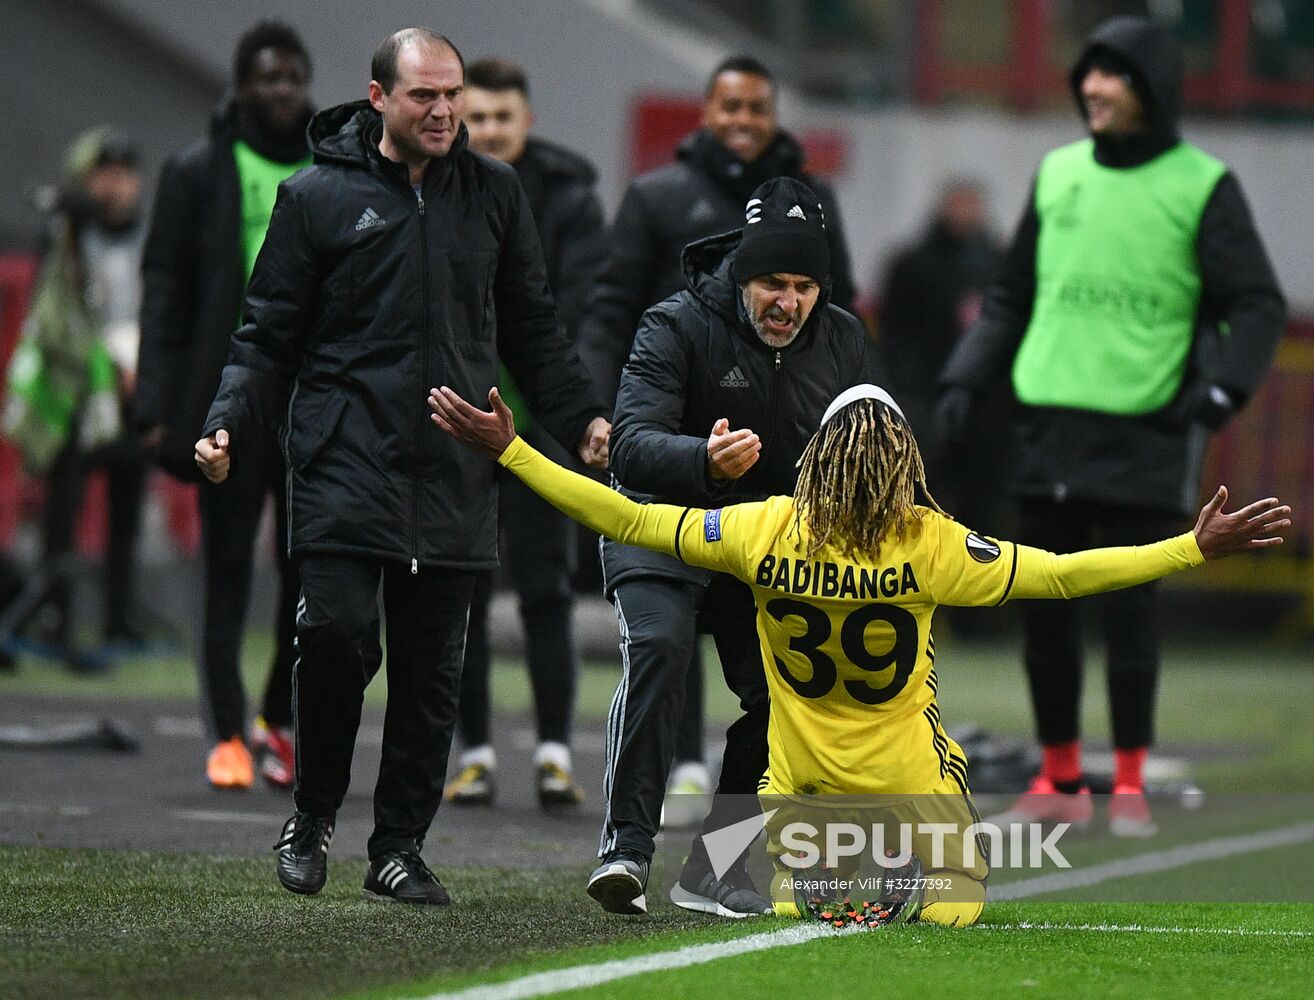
point(726, 383)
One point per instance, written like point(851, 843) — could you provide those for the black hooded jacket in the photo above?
point(367, 293)
point(1151, 461)
point(697, 359)
point(571, 227)
point(192, 283)
point(699, 195)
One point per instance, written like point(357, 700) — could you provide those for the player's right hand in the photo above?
point(491, 433)
point(212, 456)
point(731, 453)
point(1255, 526)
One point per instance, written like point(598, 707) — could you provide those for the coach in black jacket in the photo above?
point(702, 193)
point(725, 386)
point(400, 261)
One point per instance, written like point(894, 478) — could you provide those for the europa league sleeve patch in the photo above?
point(982, 549)
point(712, 527)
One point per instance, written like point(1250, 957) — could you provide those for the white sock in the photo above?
point(693, 771)
point(479, 755)
point(552, 752)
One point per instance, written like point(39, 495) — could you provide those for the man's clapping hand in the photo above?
point(731, 453)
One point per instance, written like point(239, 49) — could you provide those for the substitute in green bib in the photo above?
point(1136, 312)
point(211, 213)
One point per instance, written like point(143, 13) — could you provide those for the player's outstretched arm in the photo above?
point(1258, 525)
point(1255, 526)
point(651, 526)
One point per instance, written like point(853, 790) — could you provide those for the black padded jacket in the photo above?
point(367, 293)
point(696, 359)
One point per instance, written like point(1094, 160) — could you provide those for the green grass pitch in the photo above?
point(112, 924)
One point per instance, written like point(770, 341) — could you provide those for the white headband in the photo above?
point(856, 392)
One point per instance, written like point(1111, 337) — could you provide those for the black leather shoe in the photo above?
point(303, 853)
point(403, 877)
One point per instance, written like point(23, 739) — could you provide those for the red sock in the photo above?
point(1129, 767)
point(1061, 762)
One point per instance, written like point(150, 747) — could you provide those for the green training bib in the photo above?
point(1117, 280)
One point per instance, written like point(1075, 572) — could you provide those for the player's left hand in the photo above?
point(1255, 526)
point(595, 449)
point(490, 433)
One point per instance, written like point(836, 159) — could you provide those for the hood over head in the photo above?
point(1148, 53)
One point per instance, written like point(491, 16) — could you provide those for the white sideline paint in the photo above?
point(1155, 861)
point(583, 976)
point(1136, 929)
point(218, 816)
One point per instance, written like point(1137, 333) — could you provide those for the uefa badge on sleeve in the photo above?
point(712, 526)
point(982, 549)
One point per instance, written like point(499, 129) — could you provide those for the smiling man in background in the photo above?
point(739, 146)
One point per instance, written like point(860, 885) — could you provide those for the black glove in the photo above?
point(953, 414)
point(1214, 407)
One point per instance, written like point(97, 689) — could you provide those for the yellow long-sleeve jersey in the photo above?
point(846, 643)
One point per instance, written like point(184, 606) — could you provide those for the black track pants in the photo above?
point(538, 551)
point(1053, 640)
point(230, 518)
point(657, 623)
point(337, 635)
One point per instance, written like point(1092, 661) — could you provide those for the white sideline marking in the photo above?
point(1137, 929)
point(584, 976)
point(217, 816)
point(1155, 861)
point(186, 726)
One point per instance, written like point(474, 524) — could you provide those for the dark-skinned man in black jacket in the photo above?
point(726, 384)
point(400, 261)
point(717, 167)
point(211, 210)
point(1138, 312)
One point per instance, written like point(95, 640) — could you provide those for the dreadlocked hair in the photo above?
point(860, 478)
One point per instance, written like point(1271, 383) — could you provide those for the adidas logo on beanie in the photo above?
point(784, 233)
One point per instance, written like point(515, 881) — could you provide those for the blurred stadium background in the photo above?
point(890, 97)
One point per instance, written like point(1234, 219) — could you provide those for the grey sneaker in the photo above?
point(732, 895)
point(619, 883)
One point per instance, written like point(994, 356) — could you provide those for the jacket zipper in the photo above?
point(424, 373)
point(773, 401)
